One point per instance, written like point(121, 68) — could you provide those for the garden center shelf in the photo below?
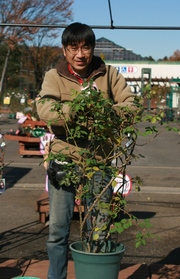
point(28, 145)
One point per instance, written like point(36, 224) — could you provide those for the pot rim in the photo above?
point(97, 254)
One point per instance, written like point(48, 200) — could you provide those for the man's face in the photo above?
point(79, 57)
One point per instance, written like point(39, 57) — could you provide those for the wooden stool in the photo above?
point(42, 207)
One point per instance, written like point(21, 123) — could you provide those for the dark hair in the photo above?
point(76, 33)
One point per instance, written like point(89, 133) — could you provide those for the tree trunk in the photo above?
point(38, 77)
point(4, 70)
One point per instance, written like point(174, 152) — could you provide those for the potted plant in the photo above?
point(103, 140)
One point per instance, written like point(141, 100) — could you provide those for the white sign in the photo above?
point(127, 69)
point(124, 184)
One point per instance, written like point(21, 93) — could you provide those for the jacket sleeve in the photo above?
point(121, 92)
point(50, 94)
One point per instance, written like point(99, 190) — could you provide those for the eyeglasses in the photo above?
point(74, 49)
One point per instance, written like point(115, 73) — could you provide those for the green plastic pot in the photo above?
point(96, 265)
point(12, 116)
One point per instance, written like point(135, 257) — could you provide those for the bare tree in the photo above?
point(49, 12)
point(175, 56)
point(39, 59)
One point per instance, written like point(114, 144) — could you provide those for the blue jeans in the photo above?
point(61, 213)
point(102, 215)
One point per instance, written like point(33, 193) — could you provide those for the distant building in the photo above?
point(138, 71)
point(164, 75)
point(108, 50)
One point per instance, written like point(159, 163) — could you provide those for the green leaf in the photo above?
point(126, 226)
point(95, 236)
point(120, 229)
point(113, 229)
point(123, 221)
point(153, 120)
point(95, 168)
point(90, 174)
point(138, 244)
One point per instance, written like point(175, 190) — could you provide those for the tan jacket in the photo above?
point(59, 82)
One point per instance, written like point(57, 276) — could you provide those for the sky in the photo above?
point(157, 44)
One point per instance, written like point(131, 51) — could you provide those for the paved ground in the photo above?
point(159, 200)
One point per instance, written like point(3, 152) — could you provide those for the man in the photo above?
point(78, 65)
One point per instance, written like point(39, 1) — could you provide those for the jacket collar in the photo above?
point(98, 67)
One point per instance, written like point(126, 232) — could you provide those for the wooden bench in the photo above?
point(42, 207)
point(27, 145)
